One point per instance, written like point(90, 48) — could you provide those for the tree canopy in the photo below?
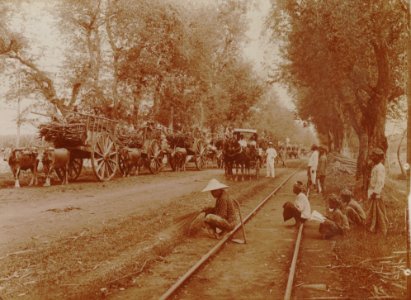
point(345, 62)
point(161, 60)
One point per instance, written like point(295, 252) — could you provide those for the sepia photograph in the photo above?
point(205, 149)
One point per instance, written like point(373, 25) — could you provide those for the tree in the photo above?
point(351, 52)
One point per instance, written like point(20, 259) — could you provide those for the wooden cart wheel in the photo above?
point(74, 170)
point(200, 155)
point(155, 157)
point(104, 157)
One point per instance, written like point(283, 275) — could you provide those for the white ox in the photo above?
point(52, 159)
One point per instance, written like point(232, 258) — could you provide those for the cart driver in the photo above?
point(242, 141)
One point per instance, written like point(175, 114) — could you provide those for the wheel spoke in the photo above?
point(114, 153)
point(98, 160)
point(98, 166)
point(110, 168)
point(103, 170)
point(109, 147)
point(98, 149)
point(98, 154)
point(114, 162)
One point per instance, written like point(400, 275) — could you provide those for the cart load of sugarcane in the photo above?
point(130, 138)
point(182, 140)
point(73, 129)
point(64, 134)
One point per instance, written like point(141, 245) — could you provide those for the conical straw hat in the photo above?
point(214, 184)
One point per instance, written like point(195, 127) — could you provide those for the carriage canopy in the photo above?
point(243, 130)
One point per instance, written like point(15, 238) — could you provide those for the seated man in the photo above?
point(300, 210)
point(337, 222)
point(222, 215)
point(253, 140)
point(229, 133)
point(242, 141)
point(354, 211)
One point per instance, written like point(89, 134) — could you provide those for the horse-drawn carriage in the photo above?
point(242, 151)
point(96, 138)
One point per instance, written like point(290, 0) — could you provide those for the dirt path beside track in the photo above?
point(256, 270)
point(79, 241)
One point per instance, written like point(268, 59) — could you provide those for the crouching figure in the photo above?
point(354, 211)
point(336, 222)
point(220, 218)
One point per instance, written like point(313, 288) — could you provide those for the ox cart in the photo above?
point(193, 145)
point(96, 138)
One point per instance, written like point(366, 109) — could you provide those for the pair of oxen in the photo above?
point(132, 159)
point(36, 159)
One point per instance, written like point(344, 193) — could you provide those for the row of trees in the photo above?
point(345, 63)
point(185, 63)
point(149, 59)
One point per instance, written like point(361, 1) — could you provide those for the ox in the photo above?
point(53, 159)
point(179, 156)
point(22, 159)
point(131, 158)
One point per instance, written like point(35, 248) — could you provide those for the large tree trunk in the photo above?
point(363, 170)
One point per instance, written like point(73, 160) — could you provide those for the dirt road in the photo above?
point(40, 213)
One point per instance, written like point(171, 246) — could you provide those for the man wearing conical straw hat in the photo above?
point(222, 215)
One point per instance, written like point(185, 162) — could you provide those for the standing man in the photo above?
point(222, 215)
point(312, 167)
point(377, 216)
point(271, 154)
point(322, 169)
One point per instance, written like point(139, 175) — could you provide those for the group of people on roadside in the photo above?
point(344, 212)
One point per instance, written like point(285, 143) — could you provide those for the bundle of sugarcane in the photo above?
point(178, 140)
point(64, 135)
point(131, 139)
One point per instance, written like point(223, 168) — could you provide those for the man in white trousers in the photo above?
point(312, 167)
point(271, 155)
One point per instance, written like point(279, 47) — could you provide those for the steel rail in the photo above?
point(293, 267)
point(221, 243)
point(291, 274)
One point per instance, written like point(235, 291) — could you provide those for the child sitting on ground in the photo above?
point(300, 210)
point(336, 222)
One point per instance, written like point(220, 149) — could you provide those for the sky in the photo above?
point(39, 26)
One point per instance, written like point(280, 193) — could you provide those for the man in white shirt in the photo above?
point(377, 215)
point(377, 179)
point(242, 142)
point(312, 166)
point(271, 154)
point(300, 210)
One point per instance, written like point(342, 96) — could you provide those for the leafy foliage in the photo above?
point(345, 60)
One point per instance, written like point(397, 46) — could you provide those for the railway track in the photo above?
point(175, 289)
